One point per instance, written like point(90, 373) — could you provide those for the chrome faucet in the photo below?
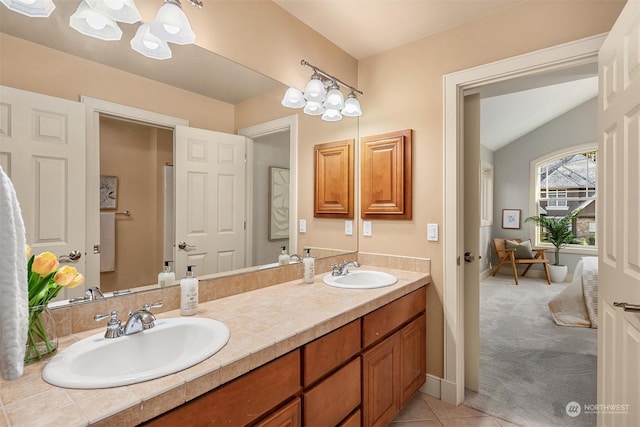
point(138, 321)
point(295, 257)
point(344, 270)
point(90, 294)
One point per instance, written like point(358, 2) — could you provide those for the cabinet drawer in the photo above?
point(378, 324)
point(330, 401)
point(287, 416)
point(241, 401)
point(354, 420)
point(330, 351)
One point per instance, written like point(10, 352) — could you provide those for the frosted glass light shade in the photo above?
point(94, 24)
point(172, 25)
point(293, 98)
point(118, 10)
point(331, 115)
point(149, 45)
point(313, 108)
point(335, 99)
point(314, 91)
point(351, 107)
point(31, 8)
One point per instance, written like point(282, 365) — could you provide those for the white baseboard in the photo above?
point(484, 274)
point(448, 392)
point(432, 386)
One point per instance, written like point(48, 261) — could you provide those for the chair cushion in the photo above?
point(522, 250)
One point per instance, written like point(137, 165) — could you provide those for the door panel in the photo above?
point(42, 149)
point(210, 200)
point(619, 254)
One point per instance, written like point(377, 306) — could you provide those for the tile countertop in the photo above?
point(264, 324)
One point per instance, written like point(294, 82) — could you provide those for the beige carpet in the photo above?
point(531, 368)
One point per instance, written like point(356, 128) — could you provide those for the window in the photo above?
point(566, 181)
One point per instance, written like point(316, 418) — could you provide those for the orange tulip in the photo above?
point(28, 251)
point(78, 280)
point(65, 275)
point(45, 264)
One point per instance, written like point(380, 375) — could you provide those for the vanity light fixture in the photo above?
point(172, 25)
point(322, 96)
point(119, 10)
point(149, 45)
point(93, 23)
point(31, 8)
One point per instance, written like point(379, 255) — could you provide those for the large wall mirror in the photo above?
point(136, 156)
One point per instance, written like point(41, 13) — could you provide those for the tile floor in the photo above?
point(426, 411)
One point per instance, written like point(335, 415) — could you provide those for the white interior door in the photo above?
point(42, 149)
point(210, 201)
point(618, 225)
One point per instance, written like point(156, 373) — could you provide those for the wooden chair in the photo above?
point(507, 256)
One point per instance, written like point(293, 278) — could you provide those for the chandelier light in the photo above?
point(322, 97)
point(31, 8)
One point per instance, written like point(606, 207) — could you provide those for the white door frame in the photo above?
point(289, 123)
point(95, 107)
point(557, 57)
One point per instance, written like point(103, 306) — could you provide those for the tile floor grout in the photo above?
point(426, 411)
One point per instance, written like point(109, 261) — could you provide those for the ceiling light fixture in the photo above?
point(31, 8)
point(316, 100)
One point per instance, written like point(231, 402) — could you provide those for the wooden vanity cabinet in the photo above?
point(287, 416)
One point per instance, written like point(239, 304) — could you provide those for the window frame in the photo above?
point(534, 191)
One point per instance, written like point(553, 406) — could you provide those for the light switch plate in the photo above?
point(303, 226)
point(366, 228)
point(432, 232)
point(348, 228)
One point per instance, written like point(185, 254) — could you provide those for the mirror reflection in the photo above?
point(142, 158)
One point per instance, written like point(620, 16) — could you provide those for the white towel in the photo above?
point(107, 241)
point(14, 307)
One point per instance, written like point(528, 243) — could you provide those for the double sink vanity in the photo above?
point(346, 350)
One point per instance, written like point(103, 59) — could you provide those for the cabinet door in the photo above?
point(380, 382)
point(287, 416)
point(413, 356)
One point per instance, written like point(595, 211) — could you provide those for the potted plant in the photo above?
point(559, 234)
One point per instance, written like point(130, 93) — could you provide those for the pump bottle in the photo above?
point(189, 294)
point(166, 277)
point(309, 267)
point(283, 259)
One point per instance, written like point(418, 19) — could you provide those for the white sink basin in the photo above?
point(172, 345)
point(361, 279)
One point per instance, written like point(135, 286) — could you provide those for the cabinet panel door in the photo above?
point(335, 397)
point(380, 382)
point(413, 356)
point(287, 416)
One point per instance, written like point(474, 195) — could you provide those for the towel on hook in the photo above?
point(107, 241)
point(14, 307)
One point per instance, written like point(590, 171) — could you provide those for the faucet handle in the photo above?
point(335, 269)
point(148, 307)
point(114, 327)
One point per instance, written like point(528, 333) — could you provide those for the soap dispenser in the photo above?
point(189, 294)
point(283, 259)
point(309, 267)
point(166, 277)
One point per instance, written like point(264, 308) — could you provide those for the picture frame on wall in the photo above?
point(278, 203)
point(108, 192)
point(511, 218)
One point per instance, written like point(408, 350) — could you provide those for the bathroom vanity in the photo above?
point(298, 354)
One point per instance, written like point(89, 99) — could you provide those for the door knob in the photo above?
point(469, 257)
point(633, 308)
point(73, 256)
point(184, 245)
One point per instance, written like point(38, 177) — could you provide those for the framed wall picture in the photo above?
point(511, 218)
point(278, 203)
point(108, 192)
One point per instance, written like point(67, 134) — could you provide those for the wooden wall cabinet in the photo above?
point(333, 184)
point(386, 177)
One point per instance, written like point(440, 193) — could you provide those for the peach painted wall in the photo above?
point(404, 89)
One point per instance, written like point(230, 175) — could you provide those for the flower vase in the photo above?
point(42, 338)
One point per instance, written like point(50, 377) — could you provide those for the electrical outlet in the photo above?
point(348, 228)
point(303, 226)
point(366, 228)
